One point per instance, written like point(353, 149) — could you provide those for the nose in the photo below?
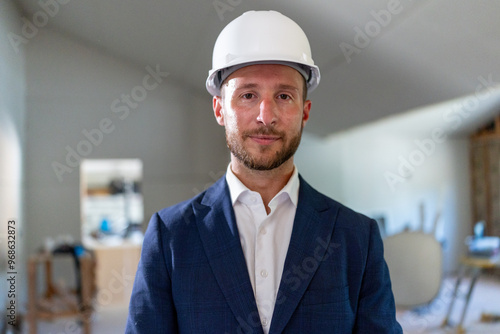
point(267, 112)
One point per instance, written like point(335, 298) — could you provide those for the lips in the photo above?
point(264, 139)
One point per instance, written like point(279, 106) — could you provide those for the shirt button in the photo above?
point(263, 231)
point(265, 322)
point(263, 273)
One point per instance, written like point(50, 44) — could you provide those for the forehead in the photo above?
point(265, 73)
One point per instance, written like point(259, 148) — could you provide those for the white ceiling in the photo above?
point(428, 52)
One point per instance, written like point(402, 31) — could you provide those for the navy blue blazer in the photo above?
point(192, 276)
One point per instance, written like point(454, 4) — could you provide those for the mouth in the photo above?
point(264, 139)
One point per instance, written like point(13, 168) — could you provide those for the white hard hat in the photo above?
point(261, 37)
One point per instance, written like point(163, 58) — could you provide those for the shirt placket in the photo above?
point(264, 262)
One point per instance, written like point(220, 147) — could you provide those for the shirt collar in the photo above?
point(236, 187)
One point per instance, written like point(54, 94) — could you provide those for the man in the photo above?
point(261, 251)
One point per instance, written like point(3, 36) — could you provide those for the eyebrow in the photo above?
point(280, 86)
point(247, 85)
point(289, 87)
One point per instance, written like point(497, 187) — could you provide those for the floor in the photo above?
point(485, 299)
point(107, 320)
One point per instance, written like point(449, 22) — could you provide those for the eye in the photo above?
point(284, 97)
point(247, 96)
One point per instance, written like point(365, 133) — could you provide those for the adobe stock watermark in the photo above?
point(454, 118)
point(407, 165)
point(293, 277)
point(222, 6)
point(214, 176)
point(121, 108)
point(188, 214)
point(372, 29)
point(30, 28)
point(418, 322)
point(116, 285)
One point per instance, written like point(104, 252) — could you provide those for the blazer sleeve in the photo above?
point(151, 308)
point(376, 308)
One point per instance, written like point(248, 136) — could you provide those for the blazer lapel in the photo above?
point(313, 226)
point(219, 234)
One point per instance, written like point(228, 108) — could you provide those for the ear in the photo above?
point(305, 112)
point(217, 106)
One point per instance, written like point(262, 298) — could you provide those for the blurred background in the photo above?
point(104, 119)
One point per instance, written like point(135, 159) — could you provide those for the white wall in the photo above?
point(12, 118)
point(72, 88)
point(354, 168)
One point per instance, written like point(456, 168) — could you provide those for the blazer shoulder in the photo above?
point(346, 216)
point(184, 212)
point(178, 212)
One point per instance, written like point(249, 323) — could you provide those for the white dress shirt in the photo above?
point(264, 238)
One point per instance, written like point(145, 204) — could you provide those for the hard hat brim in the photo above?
point(218, 76)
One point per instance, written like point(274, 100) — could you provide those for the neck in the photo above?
point(266, 182)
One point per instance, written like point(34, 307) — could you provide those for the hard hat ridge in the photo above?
point(261, 37)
